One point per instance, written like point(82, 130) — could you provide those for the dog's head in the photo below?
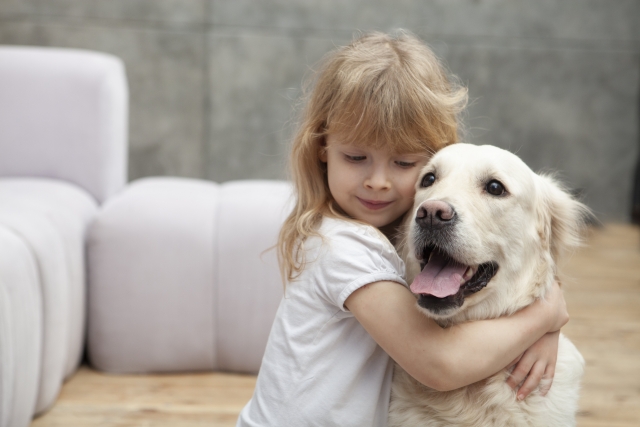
point(485, 233)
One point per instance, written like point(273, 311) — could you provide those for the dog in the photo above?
point(483, 218)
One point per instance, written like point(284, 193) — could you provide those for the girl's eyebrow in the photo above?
point(350, 148)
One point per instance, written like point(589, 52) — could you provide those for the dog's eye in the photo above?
point(495, 188)
point(428, 180)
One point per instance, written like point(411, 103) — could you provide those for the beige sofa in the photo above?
point(63, 142)
point(160, 275)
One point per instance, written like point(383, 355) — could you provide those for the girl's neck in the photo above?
point(391, 230)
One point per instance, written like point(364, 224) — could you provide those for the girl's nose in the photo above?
point(378, 179)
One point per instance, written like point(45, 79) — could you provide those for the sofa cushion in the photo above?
point(150, 271)
point(180, 276)
point(248, 283)
point(20, 330)
point(51, 218)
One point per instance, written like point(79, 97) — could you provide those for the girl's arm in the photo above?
point(446, 359)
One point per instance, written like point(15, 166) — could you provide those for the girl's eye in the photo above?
point(428, 180)
point(495, 188)
point(405, 164)
point(355, 158)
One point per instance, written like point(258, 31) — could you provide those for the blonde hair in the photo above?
point(385, 91)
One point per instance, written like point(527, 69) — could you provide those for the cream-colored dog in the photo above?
point(483, 241)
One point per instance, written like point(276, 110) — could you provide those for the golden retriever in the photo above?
point(482, 218)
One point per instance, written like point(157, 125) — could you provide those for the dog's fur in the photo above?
point(520, 234)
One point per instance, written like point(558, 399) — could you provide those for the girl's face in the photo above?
point(371, 185)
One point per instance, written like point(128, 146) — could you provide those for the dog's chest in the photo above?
point(483, 404)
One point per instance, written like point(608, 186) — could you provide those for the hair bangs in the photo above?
point(392, 106)
point(366, 127)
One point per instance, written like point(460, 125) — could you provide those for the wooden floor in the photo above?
point(602, 291)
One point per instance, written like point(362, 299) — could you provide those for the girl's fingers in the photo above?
point(536, 367)
point(532, 381)
point(547, 379)
point(520, 372)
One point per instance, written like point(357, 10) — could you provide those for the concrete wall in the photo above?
point(213, 82)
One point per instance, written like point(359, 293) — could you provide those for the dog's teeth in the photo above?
point(469, 273)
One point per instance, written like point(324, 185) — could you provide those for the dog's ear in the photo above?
point(561, 218)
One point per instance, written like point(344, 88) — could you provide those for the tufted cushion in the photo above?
point(49, 220)
point(179, 277)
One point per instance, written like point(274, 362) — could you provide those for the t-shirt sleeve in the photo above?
point(352, 256)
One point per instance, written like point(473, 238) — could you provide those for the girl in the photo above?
point(379, 108)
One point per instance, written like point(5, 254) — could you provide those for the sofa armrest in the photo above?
point(63, 115)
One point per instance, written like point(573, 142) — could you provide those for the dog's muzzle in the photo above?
point(444, 281)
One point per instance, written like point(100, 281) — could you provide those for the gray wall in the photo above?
point(213, 82)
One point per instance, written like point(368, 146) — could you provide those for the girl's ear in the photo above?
point(322, 150)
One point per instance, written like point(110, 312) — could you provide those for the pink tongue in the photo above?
point(440, 277)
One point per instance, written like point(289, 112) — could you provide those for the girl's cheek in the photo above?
point(411, 187)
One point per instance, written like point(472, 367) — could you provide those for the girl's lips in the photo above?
point(374, 204)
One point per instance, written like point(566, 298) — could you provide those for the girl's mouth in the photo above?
point(374, 204)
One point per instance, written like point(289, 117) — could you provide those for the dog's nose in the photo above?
point(435, 214)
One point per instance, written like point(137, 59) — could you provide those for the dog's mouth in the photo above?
point(444, 282)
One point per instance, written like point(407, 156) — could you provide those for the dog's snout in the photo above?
point(435, 214)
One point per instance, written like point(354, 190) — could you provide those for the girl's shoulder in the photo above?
point(343, 235)
point(348, 255)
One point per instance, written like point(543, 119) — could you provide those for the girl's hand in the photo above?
point(556, 306)
point(536, 367)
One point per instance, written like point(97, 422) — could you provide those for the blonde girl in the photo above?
point(378, 109)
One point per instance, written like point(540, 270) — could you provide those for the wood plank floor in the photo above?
point(602, 287)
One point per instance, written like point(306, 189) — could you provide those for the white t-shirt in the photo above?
point(321, 368)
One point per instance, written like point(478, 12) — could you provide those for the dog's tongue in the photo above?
point(440, 277)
